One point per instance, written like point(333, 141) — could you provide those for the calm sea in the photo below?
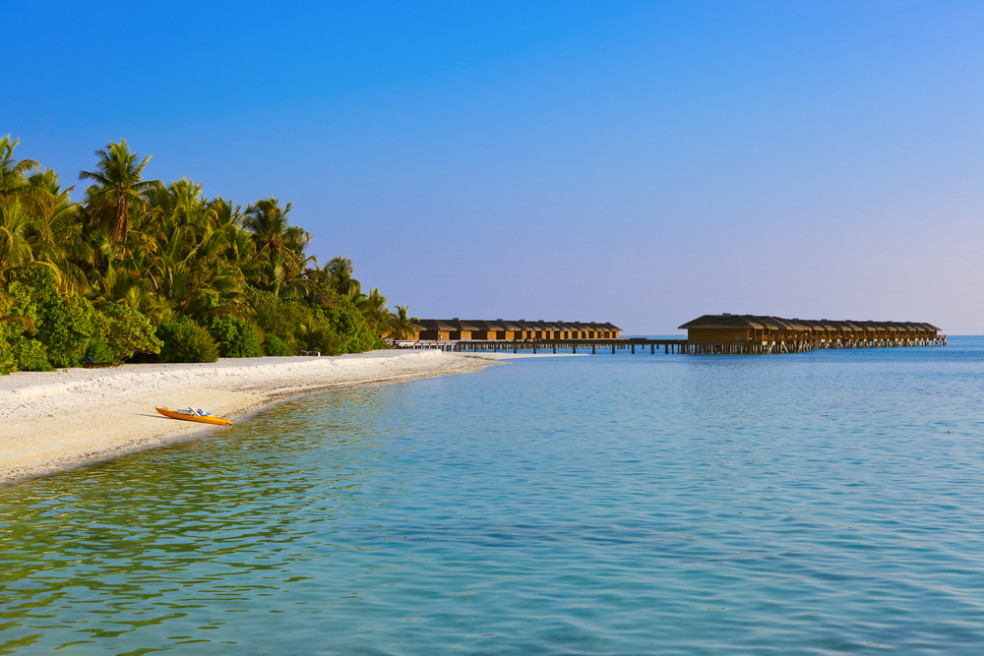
point(816, 503)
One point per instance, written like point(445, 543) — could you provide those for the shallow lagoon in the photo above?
point(613, 504)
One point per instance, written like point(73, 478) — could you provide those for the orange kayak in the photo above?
point(191, 415)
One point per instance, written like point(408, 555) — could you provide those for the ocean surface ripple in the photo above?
point(816, 503)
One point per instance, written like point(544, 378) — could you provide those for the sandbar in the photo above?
point(54, 421)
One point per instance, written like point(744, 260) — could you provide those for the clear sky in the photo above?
point(636, 162)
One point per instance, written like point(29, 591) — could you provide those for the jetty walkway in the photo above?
point(666, 345)
point(574, 345)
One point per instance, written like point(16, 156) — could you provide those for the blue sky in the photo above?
point(635, 162)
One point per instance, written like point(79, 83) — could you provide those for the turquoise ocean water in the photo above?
point(821, 503)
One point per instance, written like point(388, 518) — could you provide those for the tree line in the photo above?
point(159, 272)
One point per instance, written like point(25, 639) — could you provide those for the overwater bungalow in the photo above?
point(508, 331)
point(745, 333)
point(709, 334)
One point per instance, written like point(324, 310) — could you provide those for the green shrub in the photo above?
point(351, 328)
point(122, 331)
point(65, 332)
point(318, 336)
point(183, 340)
point(30, 355)
point(7, 364)
point(332, 327)
point(236, 338)
point(100, 351)
point(273, 345)
point(18, 326)
point(287, 320)
point(63, 321)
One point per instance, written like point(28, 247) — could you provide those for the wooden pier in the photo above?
point(667, 346)
point(574, 345)
point(711, 334)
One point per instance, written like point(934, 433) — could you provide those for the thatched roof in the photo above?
point(437, 324)
point(513, 325)
point(754, 322)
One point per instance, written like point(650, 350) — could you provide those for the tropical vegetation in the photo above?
point(139, 268)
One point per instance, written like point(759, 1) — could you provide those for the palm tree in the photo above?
point(56, 233)
point(402, 326)
point(15, 244)
point(229, 219)
point(296, 261)
point(14, 181)
point(18, 248)
point(119, 184)
point(340, 278)
point(373, 308)
point(13, 174)
point(192, 270)
point(267, 221)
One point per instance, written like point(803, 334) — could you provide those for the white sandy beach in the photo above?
point(54, 421)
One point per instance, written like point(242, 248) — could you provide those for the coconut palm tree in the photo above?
point(15, 245)
point(14, 183)
point(19, 248)
point(373, 308)
point(267, 221)
point(191, 271)
point(340, 278)
point(229, 219)
point(56, 233)
point(119, 185)
point(401, 326)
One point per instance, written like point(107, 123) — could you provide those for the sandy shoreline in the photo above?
point(55, 421)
